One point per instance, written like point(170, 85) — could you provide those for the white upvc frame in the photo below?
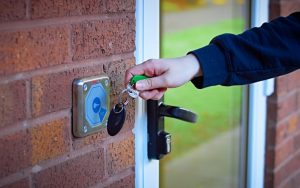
point(258, 94)
point(147, 47)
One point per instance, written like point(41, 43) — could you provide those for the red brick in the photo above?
point(120, 6)
point(272, 111)
point(94, 139)
point(53, 92)
point(281, 132)
point(15, 152)
point(12, 102)
point(11, 10)
point(50, 139)
point(284, 151)
point(94, 39)
point(293, 83)
point(287, 128)
point(287, 170)
point(281, 85)
point(130, 117)
point(293, 124)
point(274, 9)
point(53, 8)
point(293, 182)
point(297, 142)
point(116, 72)
point(298, 99)
point(33, 49)
point(278, 110)
point(120, 155)
point(287, 106)
point(83, 171)
point(287, 7)
point(24, 183)
point(127, 182)
point(283, 8)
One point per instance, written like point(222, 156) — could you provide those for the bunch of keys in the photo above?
point(117, 115)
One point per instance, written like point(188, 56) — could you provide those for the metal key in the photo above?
point(130, 87)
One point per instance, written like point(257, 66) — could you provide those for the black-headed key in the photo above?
point(116, 119)
point(117, 115)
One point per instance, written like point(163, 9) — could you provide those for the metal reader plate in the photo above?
point(90, 104)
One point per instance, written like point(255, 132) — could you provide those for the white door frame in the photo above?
point(258, 94)
point(147, 47)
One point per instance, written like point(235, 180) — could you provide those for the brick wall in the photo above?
point(45, 44)
point(283, 125)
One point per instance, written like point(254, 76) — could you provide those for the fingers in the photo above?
point(146, 95)
point(160, 94)
point(150, 68)
point(136, 70)
point(150, 88)
point(155, 94)
point(151, 83)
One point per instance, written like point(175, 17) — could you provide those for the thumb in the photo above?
point(150, 83)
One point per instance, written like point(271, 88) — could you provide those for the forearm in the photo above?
point(257, 54)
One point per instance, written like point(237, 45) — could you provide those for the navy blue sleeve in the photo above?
point(257, 54)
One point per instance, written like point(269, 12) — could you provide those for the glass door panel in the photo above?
point(211, 152)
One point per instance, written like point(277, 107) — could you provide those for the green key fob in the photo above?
point(136, 78)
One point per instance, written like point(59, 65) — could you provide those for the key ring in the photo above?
point(120, 98)
point(114, 109)
point(120, 102)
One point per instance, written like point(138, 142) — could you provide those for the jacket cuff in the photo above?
point(213, 65)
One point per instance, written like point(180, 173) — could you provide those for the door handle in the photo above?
point(159, 141)
point(177, 112)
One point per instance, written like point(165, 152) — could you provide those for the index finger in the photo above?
point(136, 70)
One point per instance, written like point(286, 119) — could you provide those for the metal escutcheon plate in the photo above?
point(91, 104)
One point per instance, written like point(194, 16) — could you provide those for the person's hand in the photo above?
point(163, 73)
